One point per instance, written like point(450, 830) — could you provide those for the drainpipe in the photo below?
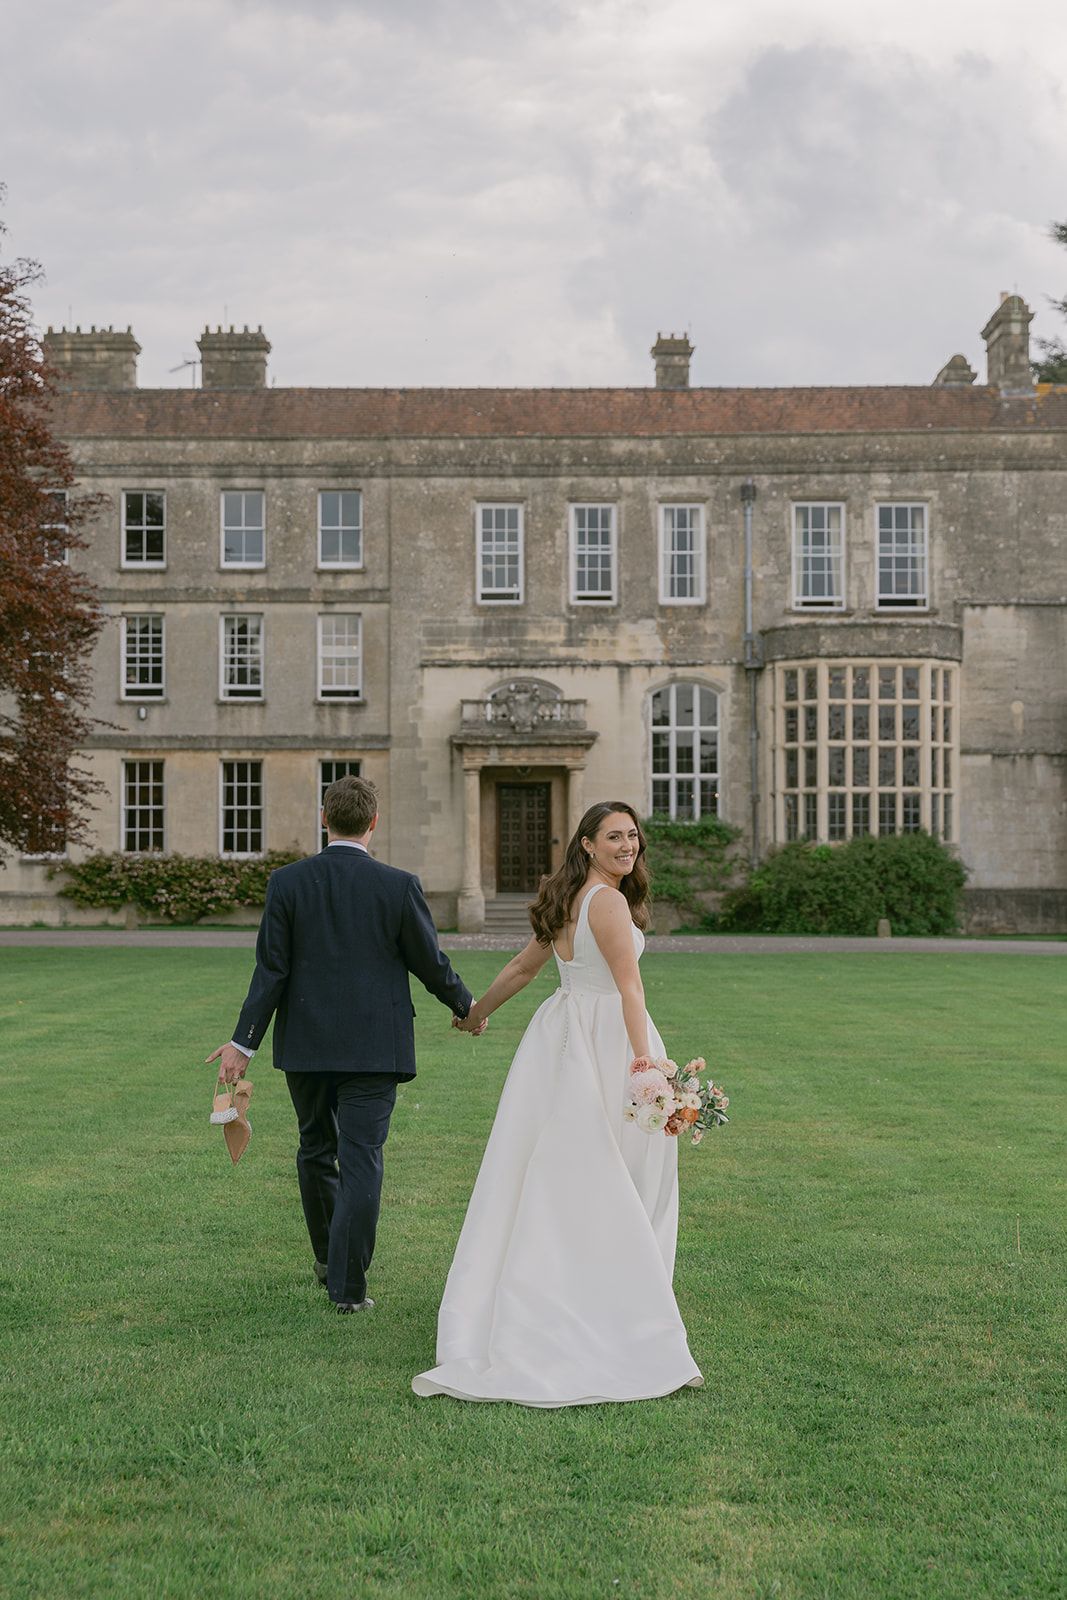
point(753, 667)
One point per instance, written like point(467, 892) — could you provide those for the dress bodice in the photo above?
point(587, 972)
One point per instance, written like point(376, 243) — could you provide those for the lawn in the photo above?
point(871, 1268)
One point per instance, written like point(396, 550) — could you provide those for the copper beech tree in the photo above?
point(1052, 367)
point(49, 615)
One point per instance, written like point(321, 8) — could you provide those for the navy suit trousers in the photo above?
point(344, 1122)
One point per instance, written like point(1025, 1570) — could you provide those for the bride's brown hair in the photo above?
point(552, 908)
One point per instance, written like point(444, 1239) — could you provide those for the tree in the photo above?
point(49, 614)
point(1053, 366)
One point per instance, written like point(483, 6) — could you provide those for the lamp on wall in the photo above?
point(142, 713)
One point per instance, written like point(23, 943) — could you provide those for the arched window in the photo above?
point(685, 752)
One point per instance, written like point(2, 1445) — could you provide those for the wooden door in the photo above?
point(523, 834)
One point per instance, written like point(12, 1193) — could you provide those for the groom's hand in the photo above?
point(470, 1024)
point(233, 1065)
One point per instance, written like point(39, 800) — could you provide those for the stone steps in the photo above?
point(506, 914)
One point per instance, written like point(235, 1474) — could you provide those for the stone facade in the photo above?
point(549, 607)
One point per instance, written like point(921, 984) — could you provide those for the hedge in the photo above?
point(181, 888)
point(911, 879)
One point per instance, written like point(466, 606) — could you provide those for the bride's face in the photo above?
point(614, 850)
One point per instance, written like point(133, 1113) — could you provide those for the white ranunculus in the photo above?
point(650, 1119)
point(691, 1102)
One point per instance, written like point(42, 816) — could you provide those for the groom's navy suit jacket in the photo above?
point(339, 935)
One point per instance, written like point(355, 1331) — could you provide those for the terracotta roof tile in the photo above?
point(546, 413)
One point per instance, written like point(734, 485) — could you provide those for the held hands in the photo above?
point(471, 1023)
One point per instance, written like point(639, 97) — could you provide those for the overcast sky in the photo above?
point(521, 192)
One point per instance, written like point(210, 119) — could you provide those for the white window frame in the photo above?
point(610, 598)
point(672, 729)
point(810, 741)
point(241, 566)
point(895, 603)
point(324, 694)
point(135, 692)
point(136, 761)
point(334, 761)
point(62, 495)
point(242, 855)
point(141, 566)
point(496, 597)
point(699, 598)
point(800, 601)
point(341, 566)
point(243, 616)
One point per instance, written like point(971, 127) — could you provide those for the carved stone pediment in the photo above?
point(524, 707)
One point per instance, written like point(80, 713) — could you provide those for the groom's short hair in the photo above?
point(351, 805)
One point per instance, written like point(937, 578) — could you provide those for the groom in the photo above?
point(339, 935)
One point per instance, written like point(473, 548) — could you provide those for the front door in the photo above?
point(523, 833)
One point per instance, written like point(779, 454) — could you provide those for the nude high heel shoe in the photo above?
point(238, 1132)
point(223, 1109)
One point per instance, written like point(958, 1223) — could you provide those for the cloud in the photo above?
point(853, 218)
point(448, 191)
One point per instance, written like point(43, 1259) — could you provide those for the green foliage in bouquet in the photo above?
point(180, 888)
point(687, 859)
point(911, 879)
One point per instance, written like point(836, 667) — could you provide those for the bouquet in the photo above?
point(667, 1098)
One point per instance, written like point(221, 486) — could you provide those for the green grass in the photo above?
point(884, 1410)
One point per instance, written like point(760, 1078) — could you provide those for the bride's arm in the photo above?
point(520, 971)
point(612, 925)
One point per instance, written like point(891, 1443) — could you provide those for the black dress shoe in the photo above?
point(347, 1306)
point(320, 1272)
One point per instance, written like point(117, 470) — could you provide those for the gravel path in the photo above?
point(718, 944)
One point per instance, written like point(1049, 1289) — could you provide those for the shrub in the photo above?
point(182, 888)
point(911, 879)
point(689, 859)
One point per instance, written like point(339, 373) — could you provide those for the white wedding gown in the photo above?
point(560, 1290)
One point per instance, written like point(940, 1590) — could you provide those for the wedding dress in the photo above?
point(560, 1289)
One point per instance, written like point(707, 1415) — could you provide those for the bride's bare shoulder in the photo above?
point(608, 905)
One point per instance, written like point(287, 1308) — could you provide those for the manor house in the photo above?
point(814, 612)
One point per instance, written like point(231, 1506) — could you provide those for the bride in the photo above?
point(560, 1289)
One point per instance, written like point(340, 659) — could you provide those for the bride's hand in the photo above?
point(470, 1023)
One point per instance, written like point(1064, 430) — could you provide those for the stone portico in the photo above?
point(523, 749)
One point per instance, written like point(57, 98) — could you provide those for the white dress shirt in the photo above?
point(347, 844)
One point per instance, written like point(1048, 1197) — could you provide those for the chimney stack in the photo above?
point(1007, 342)
point(99, 359)
point(956, 372)
point(672, 356)
point(233, 360)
